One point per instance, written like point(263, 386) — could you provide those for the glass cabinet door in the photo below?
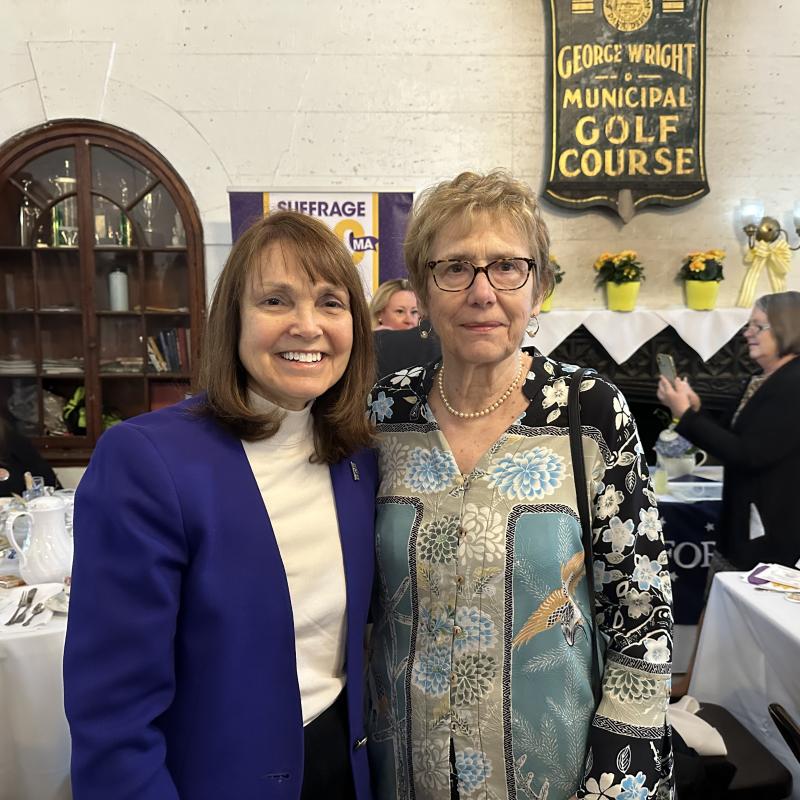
point(16, 281)
point(48, 214)
point(101, 290)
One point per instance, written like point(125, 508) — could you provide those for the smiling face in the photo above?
point(400, 313)
point(296, 334)
point(761, 344)
point(480, 325)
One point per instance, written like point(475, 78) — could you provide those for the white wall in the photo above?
point(379, 94)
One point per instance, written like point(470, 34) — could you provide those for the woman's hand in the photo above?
point(694, 399)
point(678, 397)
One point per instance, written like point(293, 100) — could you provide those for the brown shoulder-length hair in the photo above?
point(783, 313)
point(340, 423)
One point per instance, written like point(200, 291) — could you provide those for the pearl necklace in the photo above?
point(484, 411)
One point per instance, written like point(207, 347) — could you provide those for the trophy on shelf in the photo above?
point(124, 237)
point(28, 214)
point(104, 214)
point(65, 212)
point(151, 203)
point(178, 233)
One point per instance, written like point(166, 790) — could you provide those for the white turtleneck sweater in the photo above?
point(299, 499)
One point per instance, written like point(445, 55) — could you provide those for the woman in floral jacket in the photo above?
point(480, 674)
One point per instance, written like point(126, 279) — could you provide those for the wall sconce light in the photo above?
point(759, 228)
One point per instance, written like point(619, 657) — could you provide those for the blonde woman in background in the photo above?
point(394, 306)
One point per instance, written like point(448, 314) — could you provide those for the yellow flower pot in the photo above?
point(622, 296)
point(547, 303)
point(701, 295)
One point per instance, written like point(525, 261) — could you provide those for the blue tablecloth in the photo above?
point(690, 531)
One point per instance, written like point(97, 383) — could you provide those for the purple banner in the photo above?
point(372, 225)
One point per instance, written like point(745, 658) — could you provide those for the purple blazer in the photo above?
point(180, 678)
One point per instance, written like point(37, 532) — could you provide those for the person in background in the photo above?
point(481, 666)
point(394, 306)
point(400, 339)
point(224, 551)
point(18, 456)
point(760, 449)
point(396, 350)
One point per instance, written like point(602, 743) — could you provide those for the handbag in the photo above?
point(579, 473)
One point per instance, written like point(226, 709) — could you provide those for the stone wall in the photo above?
point(371, 94)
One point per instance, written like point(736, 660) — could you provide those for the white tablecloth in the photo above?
point(34, 737)
point(623, 333)
point(749, 657)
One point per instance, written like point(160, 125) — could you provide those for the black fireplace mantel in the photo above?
point(719, 381)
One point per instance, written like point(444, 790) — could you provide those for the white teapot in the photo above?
point(47, 555)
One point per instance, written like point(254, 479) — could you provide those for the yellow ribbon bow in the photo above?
point(776, 257)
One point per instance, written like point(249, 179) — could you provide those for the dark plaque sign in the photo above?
point(628, 91)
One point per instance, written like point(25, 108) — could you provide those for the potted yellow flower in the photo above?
point(701, 273)
point(558, 275)
point(622, 274)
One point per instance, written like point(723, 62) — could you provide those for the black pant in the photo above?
point(326, 770)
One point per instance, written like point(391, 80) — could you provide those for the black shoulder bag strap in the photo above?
point(579, 471)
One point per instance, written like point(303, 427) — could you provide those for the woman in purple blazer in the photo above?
point(224, 551)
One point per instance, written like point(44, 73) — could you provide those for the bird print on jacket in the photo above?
point(559, 607)
point(477, 665)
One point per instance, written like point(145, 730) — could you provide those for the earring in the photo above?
point(531, 330)
point(424, 333)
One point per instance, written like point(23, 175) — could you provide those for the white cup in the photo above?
point(682, 465)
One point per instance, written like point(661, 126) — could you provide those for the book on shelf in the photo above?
point(155, 356)
point(183, 346)
point(168, 350)
point(163, 345)
point(174, 356)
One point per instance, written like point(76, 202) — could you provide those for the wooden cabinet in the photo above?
point(102, 289)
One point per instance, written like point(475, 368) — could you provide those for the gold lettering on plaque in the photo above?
point(615, 161)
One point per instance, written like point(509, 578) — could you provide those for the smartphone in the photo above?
point(666, 366)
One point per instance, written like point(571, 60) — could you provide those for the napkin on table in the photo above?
point(696, 732)
point(9, 600)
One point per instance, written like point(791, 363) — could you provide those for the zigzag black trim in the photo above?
point(639, 664)
point(623, 729)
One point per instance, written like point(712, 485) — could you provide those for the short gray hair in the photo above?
point(783, 313)
point(498, 194)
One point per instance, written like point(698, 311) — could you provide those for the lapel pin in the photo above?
point(354, 468)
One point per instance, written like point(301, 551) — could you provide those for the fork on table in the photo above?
point(25, 602)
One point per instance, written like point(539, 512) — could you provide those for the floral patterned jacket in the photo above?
point(481, 650)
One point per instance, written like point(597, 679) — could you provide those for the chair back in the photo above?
point(759, 775)
point(789, 729)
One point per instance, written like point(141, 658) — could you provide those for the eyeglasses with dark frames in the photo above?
point(758, 327)
point(458, 274)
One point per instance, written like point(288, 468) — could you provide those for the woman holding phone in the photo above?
point(760, 449)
